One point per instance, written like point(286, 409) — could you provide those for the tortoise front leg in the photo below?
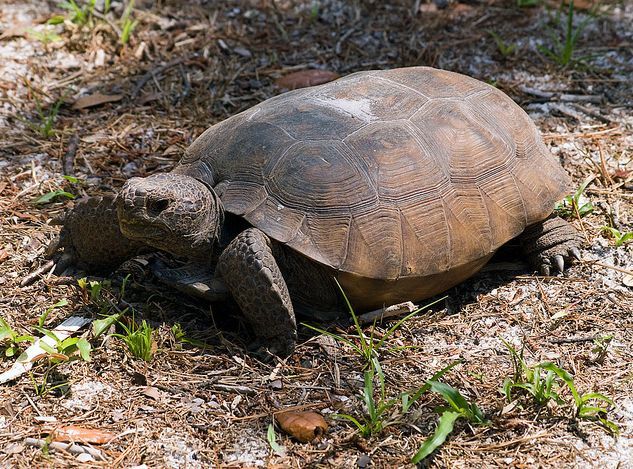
point(91, 238)
point(252, 275)
point(195, 280)
point(551, 243)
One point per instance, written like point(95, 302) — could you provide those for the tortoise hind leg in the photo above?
point(549, 244)
point(252, 275)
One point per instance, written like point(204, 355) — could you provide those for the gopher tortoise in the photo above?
point(398, 184)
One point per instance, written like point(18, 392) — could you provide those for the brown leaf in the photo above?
point(4, 255)
point(305, 78)
point(582, 4)
point(152, 393)
point(82, 434)
point(16, 31)
point(622, 174)
point(96, 99)
point(428, 8)
point(304, 426)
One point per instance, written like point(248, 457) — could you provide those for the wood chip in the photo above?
point(75, 433)
point(305, 78)
point(96, 100)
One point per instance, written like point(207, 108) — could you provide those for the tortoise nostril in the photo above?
point(157, 206)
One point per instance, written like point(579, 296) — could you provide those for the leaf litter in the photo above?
point(187, 66)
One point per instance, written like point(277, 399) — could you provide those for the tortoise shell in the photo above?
point(385, 176)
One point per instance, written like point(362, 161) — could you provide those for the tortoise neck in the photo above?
point(205, 243)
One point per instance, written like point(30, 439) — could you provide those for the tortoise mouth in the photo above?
point(142, 229)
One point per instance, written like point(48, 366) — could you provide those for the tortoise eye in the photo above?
point(157, 206)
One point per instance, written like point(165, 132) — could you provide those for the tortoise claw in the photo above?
point(575, 253)
point(559, 262)
point(545, 270)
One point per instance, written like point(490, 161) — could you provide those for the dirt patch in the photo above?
point(206, 402)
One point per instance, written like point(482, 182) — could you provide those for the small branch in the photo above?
point(70, 447)
point(33, 276)
point(151, 74)
point(383, 313)
point(68, 160)
point(572, 340)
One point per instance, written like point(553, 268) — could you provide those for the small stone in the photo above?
point(276, 385)
point(363, 461)
point(84, 457)
point(130, 169)
point(13, 448)
point(241, 51)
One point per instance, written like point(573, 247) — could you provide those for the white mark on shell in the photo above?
point(253, 114)
point(357, 108)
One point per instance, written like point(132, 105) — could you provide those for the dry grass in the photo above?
point(187, 66)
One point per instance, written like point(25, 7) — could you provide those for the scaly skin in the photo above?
point(91, 237)
point(252, 275)
point(550, 244)
point(178, 214)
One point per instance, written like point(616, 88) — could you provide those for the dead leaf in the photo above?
point(305, 78)
point(276, 384)
point(17, 31)
point(76, 433)
point(581, 4)
point(50, 356)
point(622, 174)
point(149, 97)
point(172, 150)
point(152, 393)
point(13, 448)
point(304, 426)
point(428, 8)
point(4, 255)
point(95, 100)
point(460, 9)
point(628, 280)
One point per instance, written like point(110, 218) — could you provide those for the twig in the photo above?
point(70, 447)
point(383, 313)
point(477, 446)
point(619, 269)
point(603, 166)
point(572, 340)
point(30, 278)
point(234, 388)
point(348, 33)
point(155, 71)
point(68, 160)
point(565, 98)
point(114, 27)
point(567, 111)
point(593, 114)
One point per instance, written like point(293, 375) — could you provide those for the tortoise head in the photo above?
point(172, 212)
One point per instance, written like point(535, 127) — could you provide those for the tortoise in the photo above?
point(397, 184)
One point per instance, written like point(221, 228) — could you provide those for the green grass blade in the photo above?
point(272, 441)
point(565, 376)
point(596, 395)
point(361, 427)
point(368, 394)
point(84, 349)
point(444, 428)
point(451, 396)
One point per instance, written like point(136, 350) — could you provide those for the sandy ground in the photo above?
point(189, 65)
